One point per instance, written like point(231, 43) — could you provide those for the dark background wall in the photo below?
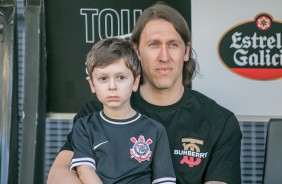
point(71, 29)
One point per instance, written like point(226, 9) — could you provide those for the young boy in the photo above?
point(118, 144)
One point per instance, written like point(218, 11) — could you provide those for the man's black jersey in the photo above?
point(205, 138)
point(134, 150)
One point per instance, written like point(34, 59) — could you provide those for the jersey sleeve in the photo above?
point(83, 153)
point(163, 171)
point(225, 158)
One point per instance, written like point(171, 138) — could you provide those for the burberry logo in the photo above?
point(191, 152)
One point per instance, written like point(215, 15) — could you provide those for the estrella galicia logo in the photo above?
point(253, 49)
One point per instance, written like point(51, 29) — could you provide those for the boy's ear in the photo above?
point(91, 84)
point(136, 84)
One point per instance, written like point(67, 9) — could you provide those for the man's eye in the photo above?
point(153, 45)
point(173, 45)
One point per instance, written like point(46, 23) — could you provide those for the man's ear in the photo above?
point(91, 84)
point(136, 84)
point(136, 50)
point(187, 54)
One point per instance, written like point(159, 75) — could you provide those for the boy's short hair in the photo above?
point(111, 50)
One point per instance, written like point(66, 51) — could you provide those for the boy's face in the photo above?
point(113, 85)
point(162, 53)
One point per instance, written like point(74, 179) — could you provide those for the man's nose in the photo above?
point(164, 54)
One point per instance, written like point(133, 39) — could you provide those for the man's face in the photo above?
point(162, 53)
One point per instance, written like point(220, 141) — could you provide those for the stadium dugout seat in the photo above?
point(273, 153)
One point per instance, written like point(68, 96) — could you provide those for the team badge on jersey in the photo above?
point(141, 150)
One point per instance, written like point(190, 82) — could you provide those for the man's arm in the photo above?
point(215, 182)
point(60, 172)
point(88, 175)
point(224, 164)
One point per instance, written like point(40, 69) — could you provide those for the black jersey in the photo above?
point(134, 150)
point(205, 138)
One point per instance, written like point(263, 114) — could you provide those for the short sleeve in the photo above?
point(83, 153)
point(163, 171)
point(225, 158)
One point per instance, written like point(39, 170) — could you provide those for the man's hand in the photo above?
point(88, 175)
point(60, 172)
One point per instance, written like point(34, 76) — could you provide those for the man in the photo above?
point(205, 138)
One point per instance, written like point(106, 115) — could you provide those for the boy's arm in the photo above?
point(88, 175)
point(60, 171)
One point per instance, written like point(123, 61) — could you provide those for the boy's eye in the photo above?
point(121, 77)
point(103, 78)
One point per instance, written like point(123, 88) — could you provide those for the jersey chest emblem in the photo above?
point(141, 150)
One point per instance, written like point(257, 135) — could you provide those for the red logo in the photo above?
point(253, 49)
point(141, 150)
point(263, 22)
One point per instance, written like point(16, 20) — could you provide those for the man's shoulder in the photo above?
point(206, 103)
point(200, 96)
point(90, 107)
point(153, 122)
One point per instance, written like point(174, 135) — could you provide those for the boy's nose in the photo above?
point(112, 84)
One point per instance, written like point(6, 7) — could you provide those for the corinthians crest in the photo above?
point(141, 150)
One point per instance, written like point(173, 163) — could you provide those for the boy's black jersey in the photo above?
point(134, 150)
point(205, 138)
